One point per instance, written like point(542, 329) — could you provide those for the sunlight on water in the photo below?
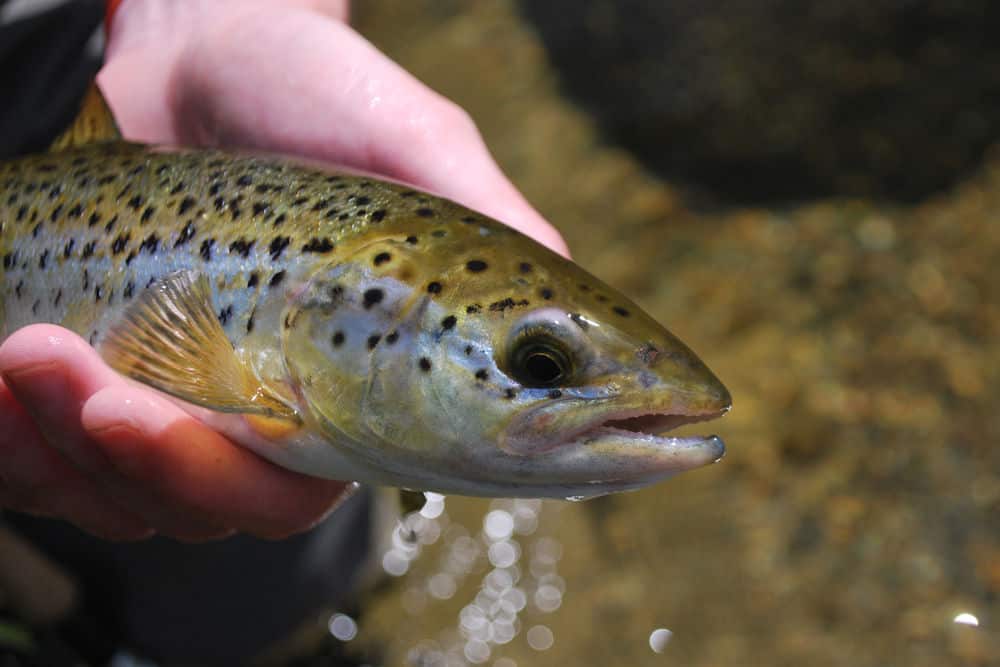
point(502, 573)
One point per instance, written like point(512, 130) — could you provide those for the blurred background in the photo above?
point(808, 194)
point(805, 192)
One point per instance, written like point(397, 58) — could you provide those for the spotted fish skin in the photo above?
point(388, 320)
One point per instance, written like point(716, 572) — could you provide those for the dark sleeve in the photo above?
point(44, 71)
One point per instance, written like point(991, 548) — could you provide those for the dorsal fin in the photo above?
point(93, 124)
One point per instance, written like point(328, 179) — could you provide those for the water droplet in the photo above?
point(343, 627)
point(540, 638)
point(659, 638)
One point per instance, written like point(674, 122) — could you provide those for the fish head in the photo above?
point(500, 371)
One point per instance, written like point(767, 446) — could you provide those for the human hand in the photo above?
point(119, 460)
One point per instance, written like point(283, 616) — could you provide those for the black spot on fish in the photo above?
point(338, 338)
point(476, 265)
point(408, 193)
point(278, 245)
point(241, 246)
point(34, 307)
point(111, 225)
point(545, 293)
point(68, 248)
point(254, 279)
point(323, 245)
point(147, 214)
point(524, 267)
point(555, 393)
point(253, 313)
point(260, 208)
point(214, 189)
point(300, 201)
point(186, 205)
point(601, 298)
point(46, 167)
point(505, 304)
point(468, 350)
point(55, 191)
point(43, 259)
point(579, 321)
point(621, 311)
point(186, 235)
point(177, 189)
point(98, 293)
point(439, 233)
point(120, 244)
point(392, 337)
point(9, 260)
point(473, 308)
point(276, 279)
point(372, 297)
point(425, 212)
point(55, 213)
point(448, 322)
point(361, 201)
point(135, 203)
point(381, 258)
point(55, 301)
point(377, 215)
point(244, 181)
point(129, 257)
point(34, 232)
point(21, 212)
point(150, 244)
point(584, 287)
point(88, 250)
point(434, 287)
point(220, 203)
point(482, 374)
point(129, 290)
point(509, 393)
point(412, 240)
point(234, 209)
point(19, 287)
point(225, 314)
point(75, 212)
point(468, 220)
point(331, 214)
point(323, 203)
point(425, 364)
point(93, 219)
point(206, 249)
point(280, 219)
point(373, 341)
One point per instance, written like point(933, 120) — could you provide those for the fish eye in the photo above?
point(540, 361)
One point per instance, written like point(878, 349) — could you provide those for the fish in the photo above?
point(346, 326)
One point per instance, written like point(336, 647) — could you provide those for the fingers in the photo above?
point(330, 95)
point(158, 445)
point(34, 478)
point(118, 460)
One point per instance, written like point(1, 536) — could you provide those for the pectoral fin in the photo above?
point(170, 339)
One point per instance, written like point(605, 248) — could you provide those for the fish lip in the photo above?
point(640, 424)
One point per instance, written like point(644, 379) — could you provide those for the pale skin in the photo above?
point(80, 443)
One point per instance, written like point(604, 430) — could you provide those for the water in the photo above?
point(855, 520)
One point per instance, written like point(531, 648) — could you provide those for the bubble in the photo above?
point(395, 563)
point(497, 581)
point(503, 554)
point(548, 598)
point(498, 525)
point(516, 597)
point(433, 505)
point(504, 631)
point(525, 520)
point(342, 627)
point(477, 651)
point(659, 638)
point(442, 586)
point(540, 638)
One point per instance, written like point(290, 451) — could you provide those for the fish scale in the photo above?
point(82, 235)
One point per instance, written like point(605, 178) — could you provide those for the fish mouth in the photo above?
point(630, 449)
